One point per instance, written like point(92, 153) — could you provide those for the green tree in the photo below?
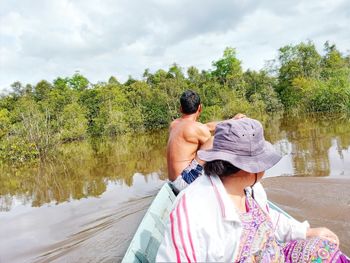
point(5, 122)
point(113, 110)
point(73, 122)
point(194, 75)
point(175, 72)
point(78, 82)
point(228, 70)
point(34, 127)
point(42, 90)
point(113, 80)
point(301, 60)
point(156, 112)
point(20, 90)
point(260, 87)
point(90, 99)
point(333, 63)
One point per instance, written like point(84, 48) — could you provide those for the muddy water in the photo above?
point(85, 205)
point(322, 201)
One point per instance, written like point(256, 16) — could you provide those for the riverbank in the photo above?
point(323, 201)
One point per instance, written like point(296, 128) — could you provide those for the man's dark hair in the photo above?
point(220, 168)
point(190, 102)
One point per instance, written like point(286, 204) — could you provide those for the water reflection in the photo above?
point(312, 142)
point(84, 169)
point(312, 146)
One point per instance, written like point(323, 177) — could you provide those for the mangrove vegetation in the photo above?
point(36, 119)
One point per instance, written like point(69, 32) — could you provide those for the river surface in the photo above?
point(85, 205)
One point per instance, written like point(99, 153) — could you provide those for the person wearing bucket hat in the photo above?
point(242, 144)
point(224, 215)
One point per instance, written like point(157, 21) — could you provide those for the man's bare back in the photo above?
point(185, 138)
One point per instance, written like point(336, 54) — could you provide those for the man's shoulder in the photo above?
point(201, 125)
point(184, 123)
point(174, 122)
point(196, 127)
point(189, 130)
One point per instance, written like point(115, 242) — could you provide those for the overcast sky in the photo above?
point(44, 39)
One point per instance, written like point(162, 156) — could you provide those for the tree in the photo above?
point(42, 90)
point(260, 86)
point(175, 72)
point(113, 111)
point(301, 60)
point(334, 64)
point(18, 89)
point(193, 75)
point(113, 80)
point(228, 67)
point(158, 77)
point(35, 127)
point(130, 81)
point(78, 82)
point(73, 122)
point(5, 122)
point(90, 99)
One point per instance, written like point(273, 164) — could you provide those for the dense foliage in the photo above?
point(34, 120)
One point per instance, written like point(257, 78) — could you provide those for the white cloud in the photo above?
point(42, 39)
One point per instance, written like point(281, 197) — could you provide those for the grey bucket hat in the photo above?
point(241, 142)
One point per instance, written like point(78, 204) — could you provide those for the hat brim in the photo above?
point(252, 164)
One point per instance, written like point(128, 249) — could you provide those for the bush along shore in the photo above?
point(35, 120)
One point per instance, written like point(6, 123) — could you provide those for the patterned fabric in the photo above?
point(192, 171)
point(314, 250)
point(257, 242)
point(204, 225)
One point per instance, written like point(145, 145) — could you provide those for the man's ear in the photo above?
point(200, 108)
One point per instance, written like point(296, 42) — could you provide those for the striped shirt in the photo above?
point(204, 225)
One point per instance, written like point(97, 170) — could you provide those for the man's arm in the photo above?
point(212, 125)
point(203, 133)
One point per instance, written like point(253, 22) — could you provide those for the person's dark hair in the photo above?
point(220, 168)
point(190, 102)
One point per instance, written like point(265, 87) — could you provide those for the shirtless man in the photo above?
point(186, 137)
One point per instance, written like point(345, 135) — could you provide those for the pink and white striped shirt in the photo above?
point(204, 225)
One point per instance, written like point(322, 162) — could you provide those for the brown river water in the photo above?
point(85, 205)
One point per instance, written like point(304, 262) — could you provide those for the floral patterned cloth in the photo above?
point(314, 250)
point(258, 243)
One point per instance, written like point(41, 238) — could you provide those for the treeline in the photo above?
point(34, 120)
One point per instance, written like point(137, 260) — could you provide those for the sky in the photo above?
point(45, 39)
